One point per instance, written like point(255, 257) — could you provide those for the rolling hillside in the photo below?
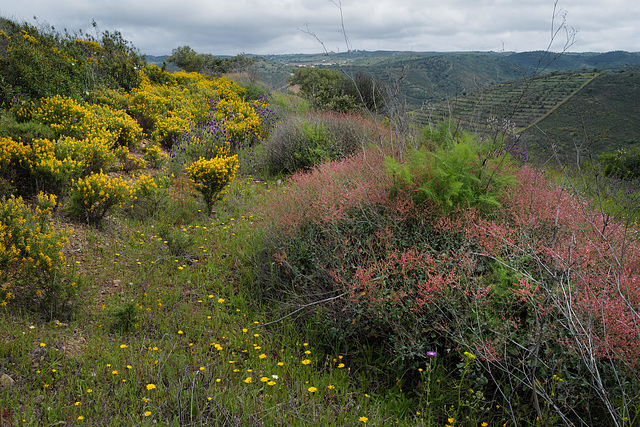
point(431, 77)
point(520, 101)
point(601, 117)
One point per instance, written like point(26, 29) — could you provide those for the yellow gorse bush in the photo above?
point(46, 203)
point(68, 117)
point(32, 264)
point(14, 154)
point(28, 37)
point(240, 118)
point(92, 197)
point(167, 110)
point(211, 176)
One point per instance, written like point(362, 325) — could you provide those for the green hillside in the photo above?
point(521, 101)
point(602, 117)
point(436, 78)
point(431, 77)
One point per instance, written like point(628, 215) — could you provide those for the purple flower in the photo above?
point(432, 353)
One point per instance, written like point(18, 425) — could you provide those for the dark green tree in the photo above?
point(205, 63)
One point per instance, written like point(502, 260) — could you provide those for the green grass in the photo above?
point(175, 338)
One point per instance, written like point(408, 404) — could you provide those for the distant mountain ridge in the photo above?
point(430, 77)
point(435, 76)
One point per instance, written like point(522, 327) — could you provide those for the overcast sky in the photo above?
point(224, 27)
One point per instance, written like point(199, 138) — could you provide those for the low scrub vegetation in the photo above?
point(178, 249)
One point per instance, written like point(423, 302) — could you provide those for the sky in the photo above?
point(223, 27)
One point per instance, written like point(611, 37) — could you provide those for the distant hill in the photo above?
point(601, 117)
point(585, 112)
point(522, 101)
point(431, 77)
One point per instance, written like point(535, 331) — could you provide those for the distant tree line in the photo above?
point(205, 63)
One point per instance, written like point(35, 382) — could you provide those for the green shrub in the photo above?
point(38, 62)
point(622, 164)
point(325, 88)
point(456, 175)
point(23, 131)
point(148, 194)
point(125, 318)
point(300, 142)
point(129, 162)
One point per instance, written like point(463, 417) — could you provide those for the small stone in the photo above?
point(6, 381)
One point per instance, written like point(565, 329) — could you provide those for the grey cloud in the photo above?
point(260, 26)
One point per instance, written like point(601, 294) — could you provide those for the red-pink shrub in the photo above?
point(328, 192)
point(582, 264)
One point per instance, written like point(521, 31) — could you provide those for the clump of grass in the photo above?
point(125, 318)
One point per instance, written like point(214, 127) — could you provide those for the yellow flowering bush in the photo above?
point(166, 111)
point(240, 118)
point(118, 99)
point(16, 159)
point(13, 154)
point(22, 108)
point(128, 161)
point(92, 197)
point(46, 203)
point(32, 265)
point(55, 163)
point(64, 115)
point(150, 103)
point(122, 129)
point(68, 117)
point(170, 126)
point(147, 195)
point(211, 176)
point(154, 156)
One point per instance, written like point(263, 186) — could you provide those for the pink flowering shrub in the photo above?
point(540, 286)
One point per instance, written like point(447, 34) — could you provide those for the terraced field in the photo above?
point(602, 117)
point(522, 102)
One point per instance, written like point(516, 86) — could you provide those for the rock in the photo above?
point(6, 381)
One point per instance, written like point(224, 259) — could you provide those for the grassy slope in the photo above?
point(197, 353)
